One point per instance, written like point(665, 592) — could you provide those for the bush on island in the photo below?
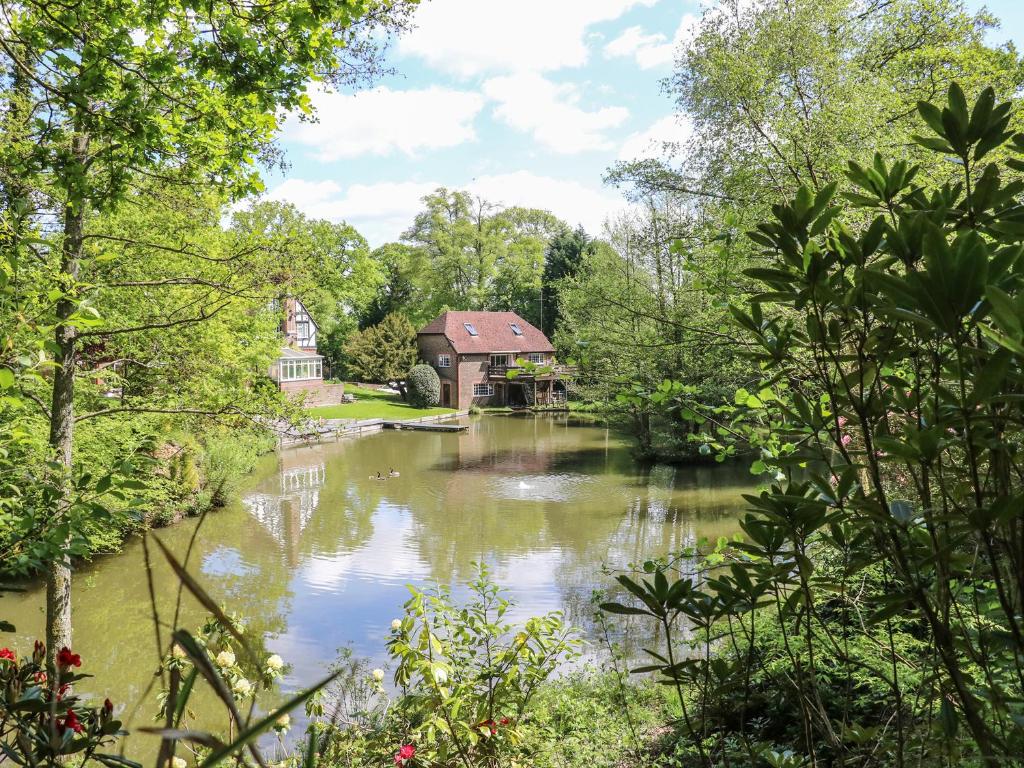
point(424, 386)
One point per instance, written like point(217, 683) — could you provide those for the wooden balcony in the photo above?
point(549, 373)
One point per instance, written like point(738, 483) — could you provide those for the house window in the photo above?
point(444, 361)
point(516, 329)
point(483, 390)
point(499, 360)
point(535, 357)
point(302, 369)
point(470, 329)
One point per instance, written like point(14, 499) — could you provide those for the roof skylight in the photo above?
point(471, 329)
point(516, 329)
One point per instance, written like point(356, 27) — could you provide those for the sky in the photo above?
point(486, 98)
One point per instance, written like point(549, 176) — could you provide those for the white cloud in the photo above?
point(550, 112)
point(381, 121)
point(382, 211)
point(674, 130)
point(654, 50)
point(469, 37)
point(572, 201)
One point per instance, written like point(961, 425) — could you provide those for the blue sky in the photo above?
point(524, 103)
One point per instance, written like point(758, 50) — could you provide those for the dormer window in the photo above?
point(516, 329)
point(470, 329)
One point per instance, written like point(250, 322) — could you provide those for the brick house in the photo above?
point(473, 352)
point(300, 369)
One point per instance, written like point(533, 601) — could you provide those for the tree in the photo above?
point(477, 255)
point(401, 288)
point(563, 258)
point(180, 93)
point(328, 265)
point(640, 309)
point(383, 353)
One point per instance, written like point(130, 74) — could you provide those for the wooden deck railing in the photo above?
point(545, 372)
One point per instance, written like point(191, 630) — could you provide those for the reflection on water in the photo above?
point(316, 555)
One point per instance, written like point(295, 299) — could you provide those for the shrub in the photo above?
point(468, 680)
point(424, 386)
point(44, 722)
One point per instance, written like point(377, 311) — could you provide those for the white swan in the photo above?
point(393, 473)
point(524, 487)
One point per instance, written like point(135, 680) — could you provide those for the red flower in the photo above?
point(63, 691)
point(504, 721)
point(7, 653)
point(405, 752)
point(67, 659)
point(39, 678)
point(489, 725)
point(70, 721)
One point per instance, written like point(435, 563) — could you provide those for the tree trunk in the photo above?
point(62, 414)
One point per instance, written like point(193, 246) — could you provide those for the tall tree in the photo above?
point(563, 258)
point(185, 93)
point(401, 289)
point(479, 255)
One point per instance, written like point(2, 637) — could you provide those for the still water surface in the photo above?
point(316, 555)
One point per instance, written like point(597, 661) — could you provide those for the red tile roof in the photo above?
point(494, 333)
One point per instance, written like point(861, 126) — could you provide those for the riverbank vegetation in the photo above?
point(827, 276)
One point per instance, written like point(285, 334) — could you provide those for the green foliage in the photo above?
point(467, 681)
point(878, 573)
point(563, 258)
point(424, 386)
point(469, 253)
point(383, 353)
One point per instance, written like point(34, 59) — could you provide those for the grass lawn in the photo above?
point(374, 404)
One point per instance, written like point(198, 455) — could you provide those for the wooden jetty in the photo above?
point(426, 426)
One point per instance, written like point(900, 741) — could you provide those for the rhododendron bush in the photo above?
point(43, 721)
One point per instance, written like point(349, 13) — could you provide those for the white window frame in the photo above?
point(536, 358)
point(300, 369)
point(483, 390)
point(444, 361)
point(509, 359)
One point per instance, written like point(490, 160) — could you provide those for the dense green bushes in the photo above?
point(174, 474)
point(424, 386)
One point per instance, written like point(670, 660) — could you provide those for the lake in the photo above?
point(315, 555)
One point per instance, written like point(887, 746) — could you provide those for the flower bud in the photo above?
point(396, 624)
point(38, 652)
